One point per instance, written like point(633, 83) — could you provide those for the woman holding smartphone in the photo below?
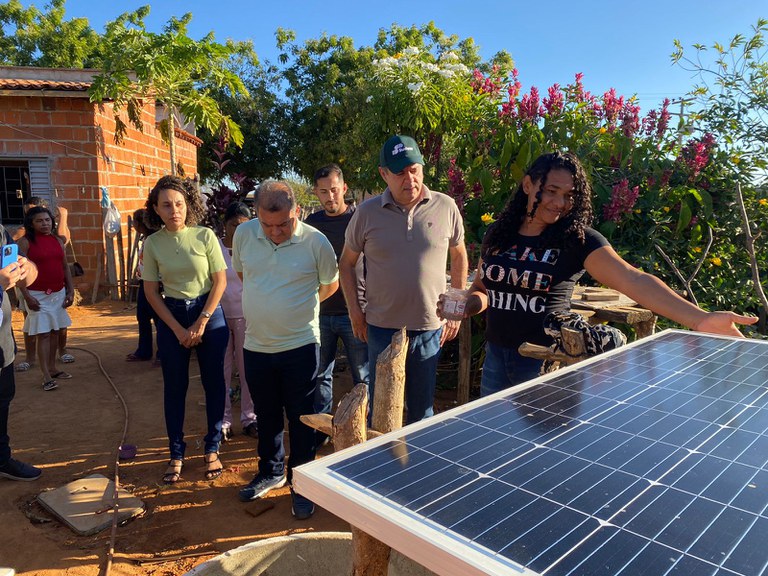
point(188, 260)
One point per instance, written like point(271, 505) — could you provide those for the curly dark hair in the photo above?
point(195, 208)
point(568, 230)
point(29, 230)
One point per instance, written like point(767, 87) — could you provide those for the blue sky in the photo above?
point(615, 43)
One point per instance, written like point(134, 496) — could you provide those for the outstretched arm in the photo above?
point(608, 268)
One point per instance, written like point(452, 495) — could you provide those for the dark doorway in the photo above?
point(14, 188)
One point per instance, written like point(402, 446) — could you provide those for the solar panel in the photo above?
point(651, 459)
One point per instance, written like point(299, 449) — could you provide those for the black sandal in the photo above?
point(173, 473)
point(213, 473)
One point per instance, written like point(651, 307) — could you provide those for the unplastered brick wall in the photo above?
point(130, 169)
point(77, 139)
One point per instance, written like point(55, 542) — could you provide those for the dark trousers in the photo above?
point(283, 381)
point(7, 392)
point(144, 317)
point(175, 363)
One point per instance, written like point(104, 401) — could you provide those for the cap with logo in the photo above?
point(399, 152)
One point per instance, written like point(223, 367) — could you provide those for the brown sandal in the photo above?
point(213, 473)
point(173, 473)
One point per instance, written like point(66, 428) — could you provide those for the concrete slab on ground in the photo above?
point(85, 505)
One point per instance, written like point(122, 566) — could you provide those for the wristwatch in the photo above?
point(205, 314)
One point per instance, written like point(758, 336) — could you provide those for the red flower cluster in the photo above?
point(433, 148)
point(578, 89)
point(630, 119)
point(529, 107)
point(622, 201)
point(656, 123)
point(664, 117)
point(612, 107)
point(508, 110)
point(482, 84)
point(695, 155)
point(554, 102)
point(577, 94)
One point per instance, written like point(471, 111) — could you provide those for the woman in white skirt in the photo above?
point(51, 293)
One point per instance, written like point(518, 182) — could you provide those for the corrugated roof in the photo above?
point(24, 84)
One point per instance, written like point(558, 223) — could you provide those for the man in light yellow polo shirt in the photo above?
point(287, 268)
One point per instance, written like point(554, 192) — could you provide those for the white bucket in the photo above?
point(306, 554)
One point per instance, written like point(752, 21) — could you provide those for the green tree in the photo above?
point(324, 93)
point(30, 37)
point(730, 103)
point(174, 69)
point(336, 110)
point(732, 96)
point(262, 118)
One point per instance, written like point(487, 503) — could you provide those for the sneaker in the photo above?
point(301, 508)
point(16, 470)
point(260, 486)
point(251, 430)
point(226, 434)
point(50, 385)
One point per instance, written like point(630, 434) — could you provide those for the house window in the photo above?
point(14, 188)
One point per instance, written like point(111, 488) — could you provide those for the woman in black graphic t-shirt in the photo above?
point(533, 255)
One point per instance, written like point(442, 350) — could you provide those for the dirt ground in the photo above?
point(75, 431)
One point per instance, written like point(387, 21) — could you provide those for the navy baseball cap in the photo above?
point(399, 152)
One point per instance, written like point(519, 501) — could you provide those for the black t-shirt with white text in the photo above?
point(528, 281)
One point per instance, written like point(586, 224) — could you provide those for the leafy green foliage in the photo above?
point(341, 107)
point(173, 68)
point(324, 89)
point(262, 118)
point(656, 188)
point(732, 96)
point(29, 37)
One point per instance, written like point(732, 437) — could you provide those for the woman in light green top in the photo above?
point(187, 259)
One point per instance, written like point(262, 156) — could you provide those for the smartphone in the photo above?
point(10, 255)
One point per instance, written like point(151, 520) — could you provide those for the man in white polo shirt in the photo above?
point(406, 235)
point(287, 268)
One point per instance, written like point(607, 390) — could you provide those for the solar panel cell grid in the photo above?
point(649, 460)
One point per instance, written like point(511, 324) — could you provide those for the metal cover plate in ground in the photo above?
point(85, 505)
point(650, 459)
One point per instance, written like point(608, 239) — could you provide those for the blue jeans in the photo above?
point(505, 367)
point(7, 392)
point(420, 368)
point(331, 329)
point(283, 381)
point(175, 363)
point(144, 317)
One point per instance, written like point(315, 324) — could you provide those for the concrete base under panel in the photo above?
point(85, 505)
point(308, 554)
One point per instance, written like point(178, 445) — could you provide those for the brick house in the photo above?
point(56, 144)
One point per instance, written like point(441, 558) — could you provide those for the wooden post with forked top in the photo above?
point(389, 396)
point(370, 557)
point(347, 427)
